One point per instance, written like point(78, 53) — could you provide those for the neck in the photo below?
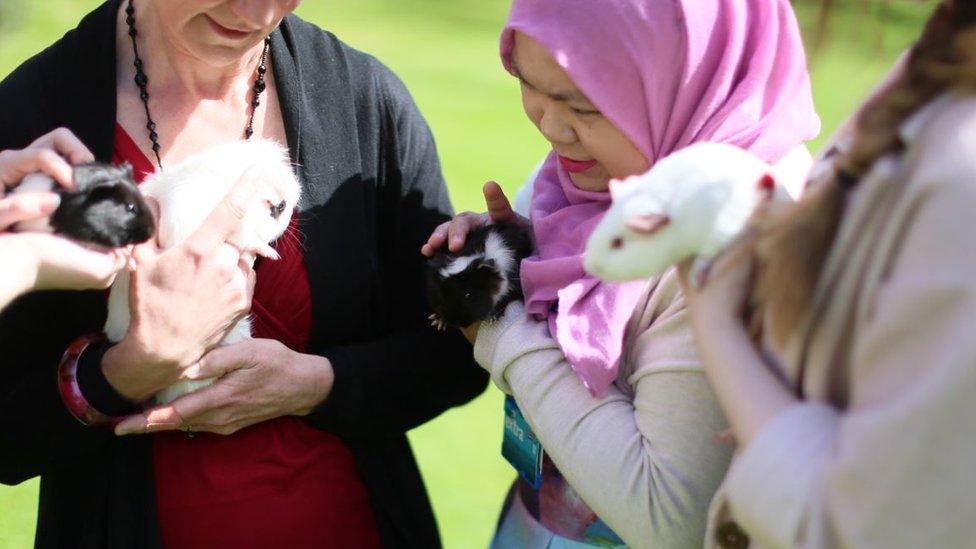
point(174, 70)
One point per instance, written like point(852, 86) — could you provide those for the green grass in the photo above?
point(446, 52)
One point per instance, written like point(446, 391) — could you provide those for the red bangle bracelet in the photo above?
point(71, 395)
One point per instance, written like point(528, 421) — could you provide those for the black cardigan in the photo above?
point(372, 192)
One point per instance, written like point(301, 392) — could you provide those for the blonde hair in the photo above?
point(794, 241)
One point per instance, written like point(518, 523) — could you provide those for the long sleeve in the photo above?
point(893, 467)
point(648, 465)
point(397, 382)
point(36, 431)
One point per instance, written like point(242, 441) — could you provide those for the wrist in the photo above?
point(136, 374)
point(318, 376)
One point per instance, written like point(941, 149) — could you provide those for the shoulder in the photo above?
point(324, 55)
point(942, 140)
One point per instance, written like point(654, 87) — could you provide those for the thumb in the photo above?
point(226, 217)
point(499, 208)
point(220, 361)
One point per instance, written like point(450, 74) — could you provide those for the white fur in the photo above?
point(707, 191)
point(496, 250)
point(459, 264)
point(188, 192)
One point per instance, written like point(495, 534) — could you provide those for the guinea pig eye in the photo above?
point(130, 207)
point(467, 295)
point(617, 243)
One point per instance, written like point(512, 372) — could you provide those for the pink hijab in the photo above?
point(668, 73)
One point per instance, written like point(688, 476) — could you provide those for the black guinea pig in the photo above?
point(479, 281)
point(105, 209)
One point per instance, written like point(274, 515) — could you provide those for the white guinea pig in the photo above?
point(692, 203)
point(189, 191)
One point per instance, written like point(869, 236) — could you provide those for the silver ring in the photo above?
point(188, 429)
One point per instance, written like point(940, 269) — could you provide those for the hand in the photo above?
point(183, 302)
point(720, 293)
point(258, 380)
point(53, 154)
point(41, 261)
point(456, 230)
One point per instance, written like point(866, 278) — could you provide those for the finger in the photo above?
point(226, 217)
point(499, 208)
point(221, 361)
point(164, 418)
point(26, 206)
point(436, 240)
point(226, 255)
point(67, 145)
point(457, 231)
point(252, 281)
point(18, 164)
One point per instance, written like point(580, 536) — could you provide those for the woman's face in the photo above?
point(590, 147)
point(220, 32)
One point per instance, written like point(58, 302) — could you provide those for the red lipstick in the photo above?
point(576, 166)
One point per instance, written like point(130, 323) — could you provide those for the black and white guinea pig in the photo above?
point(479, 281)
point(105, 209)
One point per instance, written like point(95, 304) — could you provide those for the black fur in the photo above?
point(106, 208)
point(467, 297)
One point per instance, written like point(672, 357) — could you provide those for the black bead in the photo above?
point(248, 132)
point(153, 136)
point(151, 126)
point(259, 86)
point(138, 63)
point(141, 79)
point(262, 69)
point(144, 96)
point(155, 147)
point(132, 32)
point(130, 20)
point(129, 10)
point(256, 102)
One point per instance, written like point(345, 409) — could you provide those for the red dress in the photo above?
point(280, 483)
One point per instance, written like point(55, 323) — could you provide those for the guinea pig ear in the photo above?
point(647, 223)
point(84, 176)
point(487, 264)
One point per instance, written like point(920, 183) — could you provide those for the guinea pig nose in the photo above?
point(617, 243)
point(277, 209)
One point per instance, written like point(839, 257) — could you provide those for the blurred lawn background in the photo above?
point(446, 52)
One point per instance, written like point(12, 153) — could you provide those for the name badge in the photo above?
point(520, 446)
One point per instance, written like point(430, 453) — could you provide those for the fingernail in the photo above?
point(123, 429)
point(193, 372)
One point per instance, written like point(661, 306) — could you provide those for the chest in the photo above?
point(185, 124)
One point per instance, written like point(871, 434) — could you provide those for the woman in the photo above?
point(39, 261)
point(606, 375)
point(855, 419)
point(302, 441)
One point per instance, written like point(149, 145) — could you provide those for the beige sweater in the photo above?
point(643, 456)
point(882, 452)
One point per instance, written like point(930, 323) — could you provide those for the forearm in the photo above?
point(746, 388)
point(19, 270)
point(646, 466)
